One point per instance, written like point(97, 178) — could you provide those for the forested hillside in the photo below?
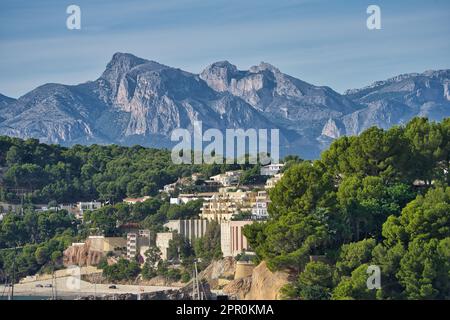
point(47, 173)
point(382, 198)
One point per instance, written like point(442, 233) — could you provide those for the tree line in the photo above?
point(381, 198)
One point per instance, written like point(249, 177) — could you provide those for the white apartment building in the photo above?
point(260, 207)
point(271, 169)
point(138, 243)
point(222, 206)
point(228, 179)
point(81, 207)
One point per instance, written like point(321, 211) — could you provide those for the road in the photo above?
point(68, 287)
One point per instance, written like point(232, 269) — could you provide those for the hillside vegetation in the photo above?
point(381, 198)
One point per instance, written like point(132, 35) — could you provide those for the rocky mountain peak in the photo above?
point(4, 100)
point(218, 75)
point(119, 65)
point(124, 61)
point(264, 66)
point(138, 101)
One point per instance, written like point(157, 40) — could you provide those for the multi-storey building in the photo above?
point(259, 209)
point(224, 205)
point(232, 240)
point(138, 243)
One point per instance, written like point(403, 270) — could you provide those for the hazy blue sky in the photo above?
point(322, 42)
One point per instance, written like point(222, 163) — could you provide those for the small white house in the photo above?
point(271, 169)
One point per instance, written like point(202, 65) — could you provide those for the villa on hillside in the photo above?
point(136, 200)
point(259, 209)
point(227, 179)
point(270, 183)
point(271, 169)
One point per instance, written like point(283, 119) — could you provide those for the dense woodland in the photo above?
point(382, 198)
point(34, 173)
point(46, 173)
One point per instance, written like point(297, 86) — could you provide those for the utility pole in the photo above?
point(95, 285)
point(195, 285)
point(14, 274)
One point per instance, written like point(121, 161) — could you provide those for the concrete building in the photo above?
point(224, 205)
point(270, 183)
point(107, 244)
point(232, 240)
point(225, 238)
point(259, 209)
point(81, 207)
point(271, 169)
point(188, 229)
point(162, 242)
point(138, 243)
point(184, 198)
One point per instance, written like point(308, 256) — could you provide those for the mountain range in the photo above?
point(138, 101)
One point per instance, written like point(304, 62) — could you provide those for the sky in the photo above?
point(321, 42)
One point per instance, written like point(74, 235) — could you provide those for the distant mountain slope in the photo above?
point(4, 101)
point(398, 99)
point(286, 100)
point(137, 101)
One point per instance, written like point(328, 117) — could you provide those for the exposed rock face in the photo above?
point(137, 101)
point(223, 268)
point(262, 285)
point(397, 100)
point(331, 129)
point(238, 288)
point(81, 255)
point(288, 100)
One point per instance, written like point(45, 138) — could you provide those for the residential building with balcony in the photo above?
point(227, 179)
point(260, 207)
point(271, 169)
point(224, 205)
